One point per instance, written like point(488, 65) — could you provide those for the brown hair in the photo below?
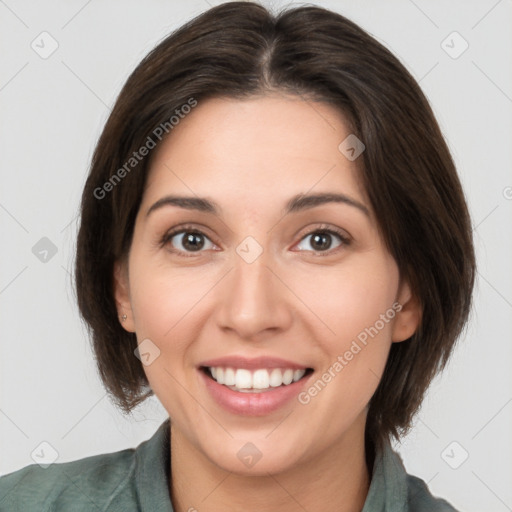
point(238, 50)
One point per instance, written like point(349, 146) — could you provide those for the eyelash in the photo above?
point(345, 241)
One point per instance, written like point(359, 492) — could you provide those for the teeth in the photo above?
point(243, 379)
point(276, 378)
point(288, 377)
point(229, 377)
point(262, 379)
point(298, 374)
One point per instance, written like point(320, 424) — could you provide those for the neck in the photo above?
point(335, 480)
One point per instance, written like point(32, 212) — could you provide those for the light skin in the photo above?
point(298, 300)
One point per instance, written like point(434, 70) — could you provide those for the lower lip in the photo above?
point(252, 404)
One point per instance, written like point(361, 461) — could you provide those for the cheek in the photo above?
point(356, 305)
point(166, 305)
point(351, 298)
point(170, 307)
point(352, 328)
point(163, 298)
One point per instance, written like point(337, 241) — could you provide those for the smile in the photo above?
point(255, 381)
point(253, 386)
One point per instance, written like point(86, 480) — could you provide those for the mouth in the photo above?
point(256, 380)
point(254, 387)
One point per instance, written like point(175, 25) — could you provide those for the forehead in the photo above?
point(259, 149)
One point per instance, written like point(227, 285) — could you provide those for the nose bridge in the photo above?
point(252, 279)
point(255, 300)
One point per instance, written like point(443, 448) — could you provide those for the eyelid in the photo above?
point(324, 227)
point(180, 229)
point(345, 238)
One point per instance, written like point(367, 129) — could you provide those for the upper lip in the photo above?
point(253, 363)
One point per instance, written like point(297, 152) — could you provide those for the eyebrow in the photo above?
point(295, 204)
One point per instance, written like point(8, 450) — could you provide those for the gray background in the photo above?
point(52, 112)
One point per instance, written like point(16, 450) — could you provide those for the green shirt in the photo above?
point(137, 479)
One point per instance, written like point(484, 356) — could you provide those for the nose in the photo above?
point(255, 302)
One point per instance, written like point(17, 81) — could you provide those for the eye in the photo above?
point(321, 240)
point(187, 240)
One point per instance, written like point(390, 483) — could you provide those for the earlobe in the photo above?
point(122, 296)
point(408, 317)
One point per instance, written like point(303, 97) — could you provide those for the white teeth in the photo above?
point(262, 379)
point(287, 376)
point(298, 374)
point(229, 377)
point(276, 378)
point(243, 379)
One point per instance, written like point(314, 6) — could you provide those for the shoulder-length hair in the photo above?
point(238, 50)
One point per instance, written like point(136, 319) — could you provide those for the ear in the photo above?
point(409, 312)
point(122, 295)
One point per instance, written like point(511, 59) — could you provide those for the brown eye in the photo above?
point(192, 241)
point(188, 241)
point(322, 241)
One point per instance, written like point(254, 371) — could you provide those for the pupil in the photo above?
point(193, 241)
point(321, 241)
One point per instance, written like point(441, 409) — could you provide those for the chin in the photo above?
point(254, 458)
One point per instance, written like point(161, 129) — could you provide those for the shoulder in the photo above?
point(93, 481)
point(420, 498)
point(392, 488)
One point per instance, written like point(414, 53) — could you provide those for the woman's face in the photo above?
point(269, 268)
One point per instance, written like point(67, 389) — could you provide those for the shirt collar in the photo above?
point(152, 471)
point(388, 486)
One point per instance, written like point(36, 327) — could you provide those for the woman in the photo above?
point(274, 241)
